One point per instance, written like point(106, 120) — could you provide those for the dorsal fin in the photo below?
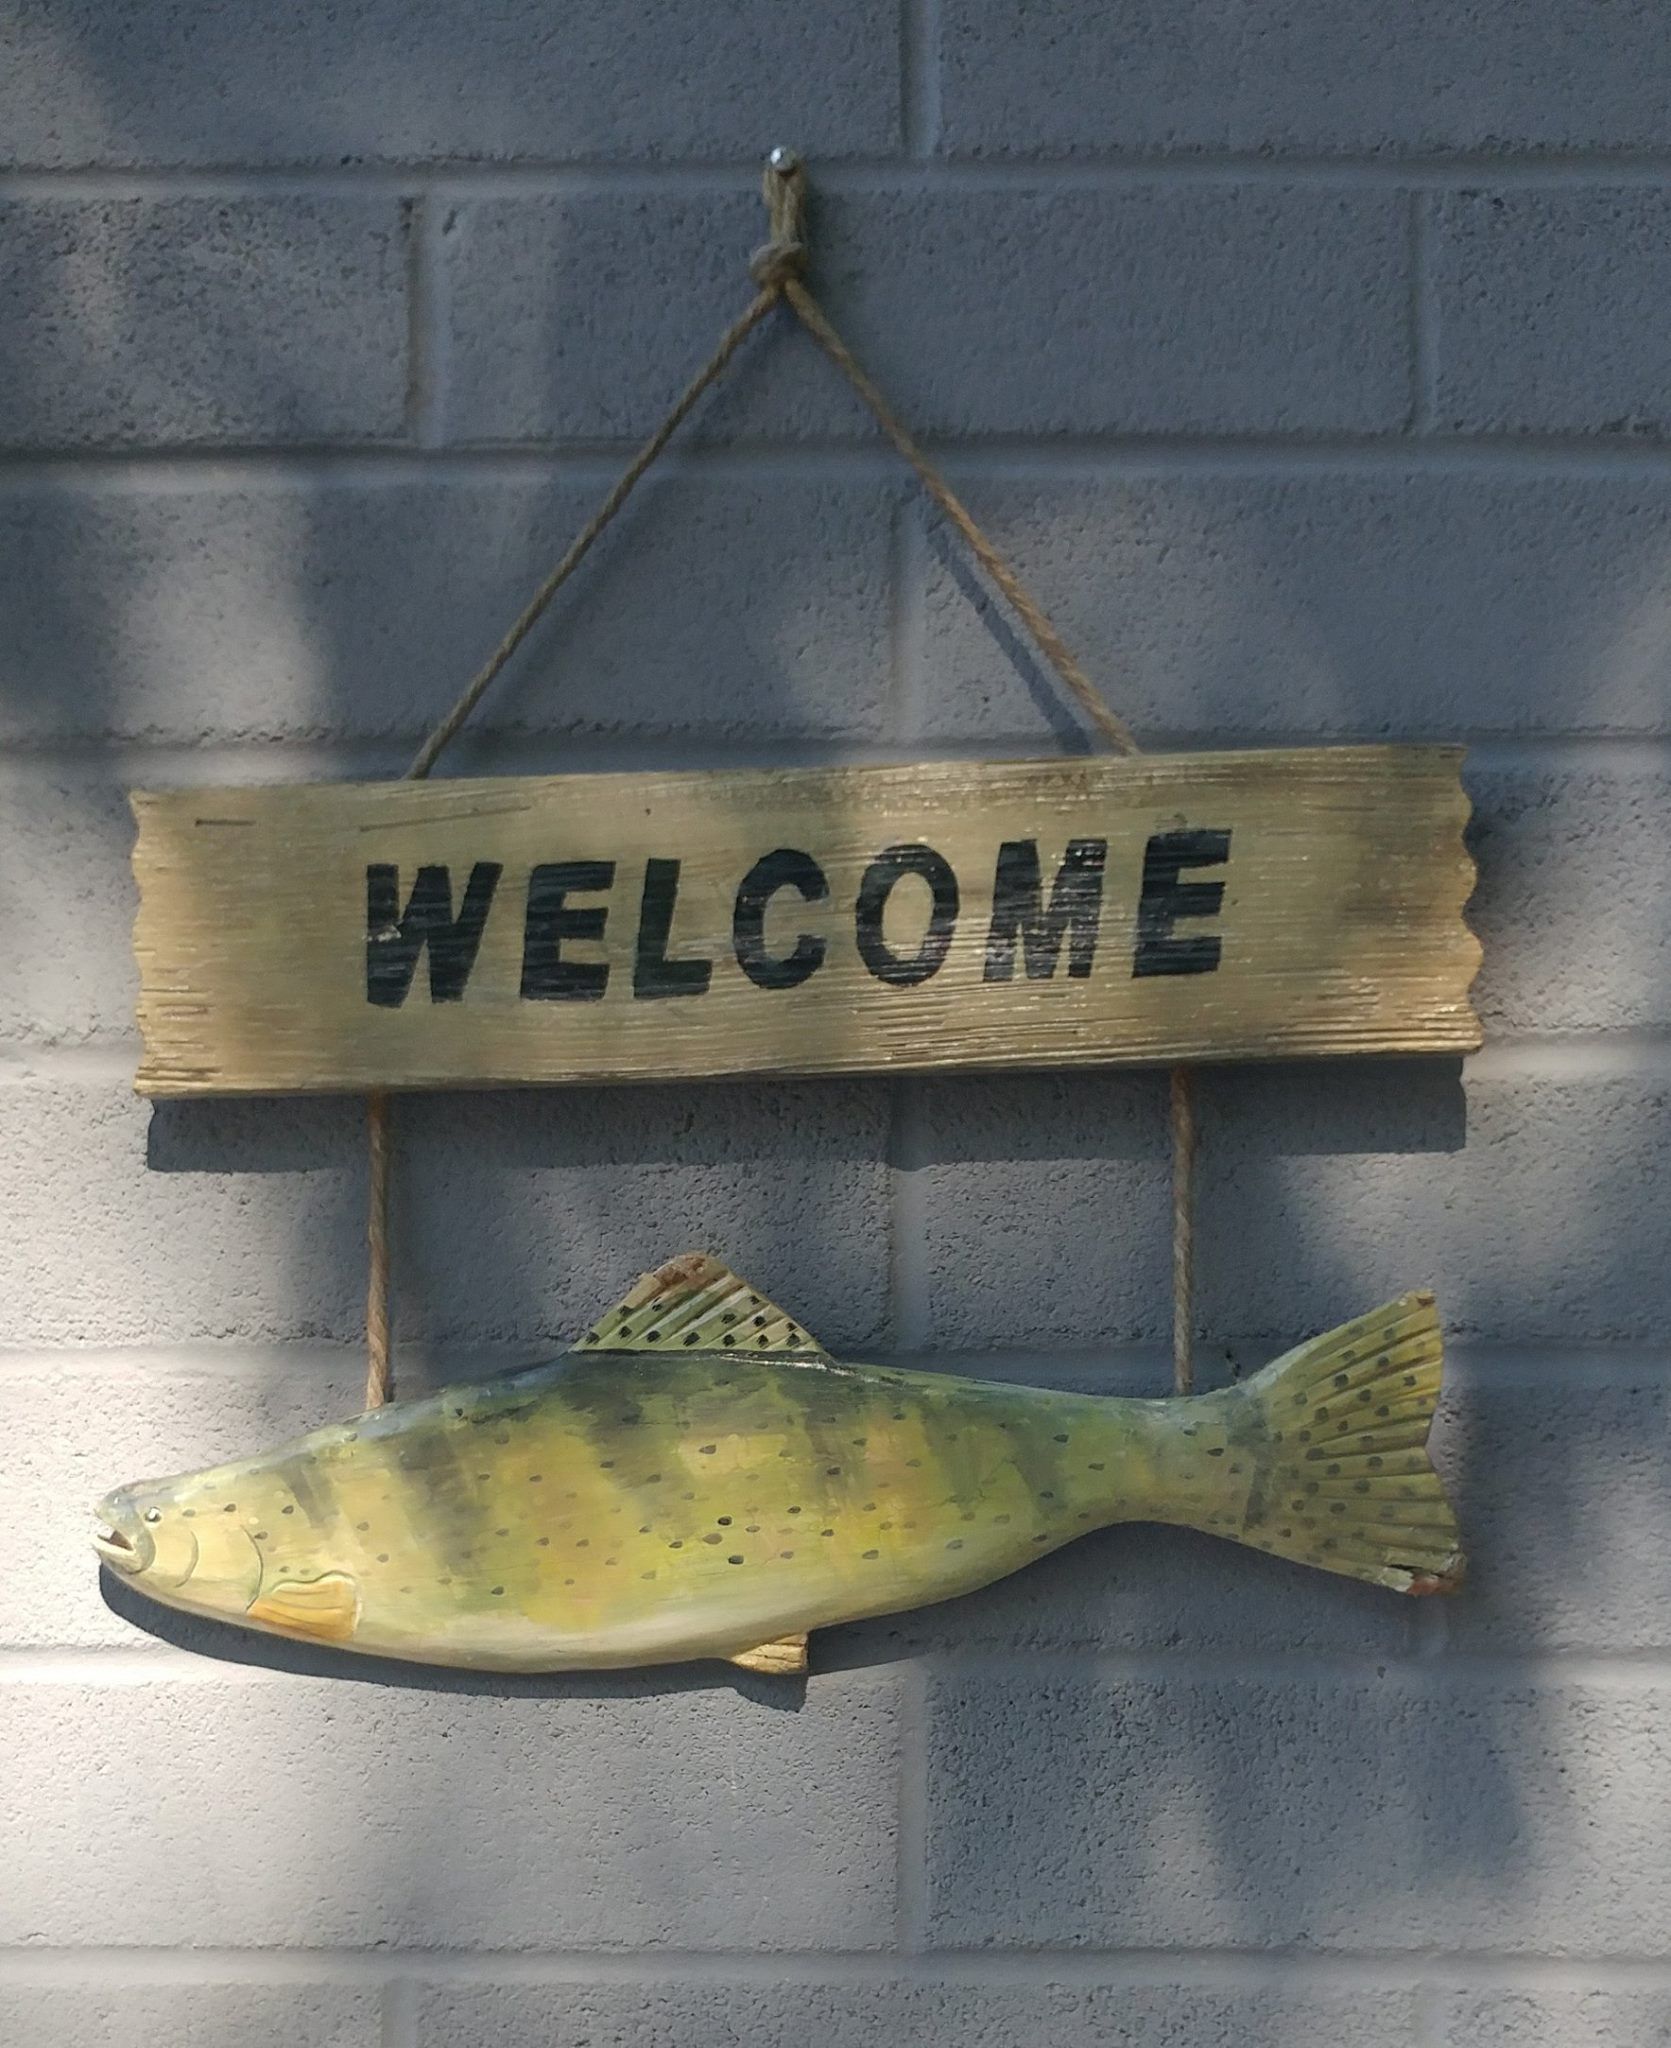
point(697, 1302)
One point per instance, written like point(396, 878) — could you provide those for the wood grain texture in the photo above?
point(1339, 924)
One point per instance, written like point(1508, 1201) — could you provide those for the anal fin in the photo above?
point(783, 1657)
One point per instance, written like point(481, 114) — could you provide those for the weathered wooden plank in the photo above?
point(1217, 906)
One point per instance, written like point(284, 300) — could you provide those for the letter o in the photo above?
point(890, 866)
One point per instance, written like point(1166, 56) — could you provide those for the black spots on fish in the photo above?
point(899, 1415)
point(497, 1592)
point(1305, 1436)
point(869, 1507)
point(1341, 1379)
point(1337, 1507)
point(260, 1535)
point(534, 1478)
point(870, 1553)
point(191, 1513)
point(1383, 1411)
point(643, 1528)
point(1332, 1470)
point(753, 1529)
point(1041, 1539)
point(707, 1450)
point(794, 1511)
point(542, 1542)
point(568, 1582)
point(1058, 1439)
point(501, 1436)
point(786, 1553)
point(968, 1515)
point(362, 1527)
point(484, 1477)
point(832, 1471)
point(1096, 1465)
point(231, 1508)
point(723, 1520)
point(677, 1543)
point(914, 1464)
point(956, 1543)
point(632, 1416)
point(687, 1496)
point(734, 1558)
point(652, 1479)
point(646, 1575)
point(1001, 1521)
point(382, 1557)
point(826, 1532)
point(885, 1525)
point(859, 1442)
point(728, 1339)
point(1409, 1379)
point(1301, 1399)
point(585, 1543)
point(1215, 1451)
point(458, 1414)
point(1046, 1494)
point(713, 1539)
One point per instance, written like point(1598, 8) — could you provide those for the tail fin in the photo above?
point(1343, 1479)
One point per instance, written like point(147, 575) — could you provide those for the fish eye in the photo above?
point(153, 1514)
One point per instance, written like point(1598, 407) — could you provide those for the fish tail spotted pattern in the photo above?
point(1341, 1473)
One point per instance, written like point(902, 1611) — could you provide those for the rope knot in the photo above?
point(774, 263)
point(782, 259)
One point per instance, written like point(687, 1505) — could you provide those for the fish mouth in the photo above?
point(122, 1542)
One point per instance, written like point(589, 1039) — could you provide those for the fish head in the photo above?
point(201, 1558)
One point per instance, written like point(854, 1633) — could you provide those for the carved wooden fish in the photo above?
point(698, 1478)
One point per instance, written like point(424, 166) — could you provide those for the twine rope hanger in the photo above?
point(778, 270)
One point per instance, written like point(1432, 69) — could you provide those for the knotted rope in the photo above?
point(778, 270)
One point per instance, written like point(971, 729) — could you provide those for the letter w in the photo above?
point(1018, 910)
point(395, 937)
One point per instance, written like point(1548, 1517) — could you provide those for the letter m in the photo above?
point(395, 937)
point(1018, 910)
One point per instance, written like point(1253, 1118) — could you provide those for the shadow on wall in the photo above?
point(1221, 1806)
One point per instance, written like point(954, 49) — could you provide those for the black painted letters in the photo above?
point(889, 867)
point(395, 938)
point(1165, 899)
point(1018, 909)
point(783, 869)
point(546, 976)
point(653, 974)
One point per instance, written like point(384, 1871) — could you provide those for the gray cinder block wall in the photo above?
point(1312, 363)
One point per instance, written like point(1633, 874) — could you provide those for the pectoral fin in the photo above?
point(783, 1657)
point(324, 1609)
point(697, 1302)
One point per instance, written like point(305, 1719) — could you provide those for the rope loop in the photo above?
point(783, 255)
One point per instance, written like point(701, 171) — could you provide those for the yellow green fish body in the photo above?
point(698, 1479)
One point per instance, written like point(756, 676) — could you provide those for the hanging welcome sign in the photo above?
point(698, 1477)
point(602, 927)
